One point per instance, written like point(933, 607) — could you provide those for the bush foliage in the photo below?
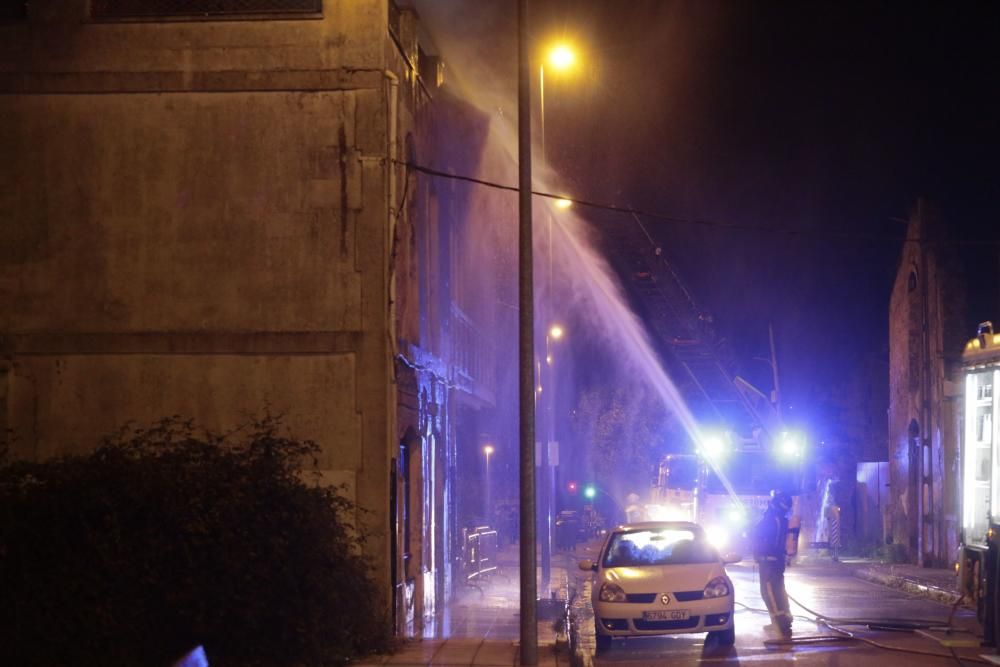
point(169, 537)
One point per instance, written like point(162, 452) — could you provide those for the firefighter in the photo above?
point(769, 550)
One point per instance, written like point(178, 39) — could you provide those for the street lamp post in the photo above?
point(487, 450)
point(526, 353)
point(547, 499)
point(560, 57)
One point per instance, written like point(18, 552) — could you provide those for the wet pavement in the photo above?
point(481, 626)
point(828, 590)
point(843, 613)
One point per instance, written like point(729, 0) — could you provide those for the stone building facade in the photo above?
point(927, 330)
point(206, 212)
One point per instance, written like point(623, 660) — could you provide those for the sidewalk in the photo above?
point(481, 625)
point(938, 584)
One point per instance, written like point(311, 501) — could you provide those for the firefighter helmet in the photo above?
point(781, 501)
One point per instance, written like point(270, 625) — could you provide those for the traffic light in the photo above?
point(590, 491)
point(571, 487)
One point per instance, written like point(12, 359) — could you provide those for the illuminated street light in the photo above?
point(564, 203)
point(556, 332)
point(562, 57)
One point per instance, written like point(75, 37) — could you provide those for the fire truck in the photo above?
point(727, 485)
point(978, 564)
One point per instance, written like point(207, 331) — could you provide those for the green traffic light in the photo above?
point(590, 491)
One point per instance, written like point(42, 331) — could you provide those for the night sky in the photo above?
point(826, 120)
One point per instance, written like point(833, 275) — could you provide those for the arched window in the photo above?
point(911, 281)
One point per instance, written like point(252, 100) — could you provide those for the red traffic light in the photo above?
point(571, 487)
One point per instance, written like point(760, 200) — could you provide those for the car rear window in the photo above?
point(658, 547)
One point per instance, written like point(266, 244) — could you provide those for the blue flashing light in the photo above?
point(736, 516)
point(790, 446)
point(714, 446)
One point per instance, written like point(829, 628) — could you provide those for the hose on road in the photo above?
point(835, 624)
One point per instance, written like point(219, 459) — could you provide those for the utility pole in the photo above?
point(774, 371)
point(526, 333)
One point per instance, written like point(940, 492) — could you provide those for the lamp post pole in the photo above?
point(526, 332)
point(487, 450)
point(547, 472)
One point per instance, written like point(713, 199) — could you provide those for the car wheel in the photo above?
point(723, 637)
point(603, 642)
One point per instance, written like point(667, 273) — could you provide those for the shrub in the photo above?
point(168, 537)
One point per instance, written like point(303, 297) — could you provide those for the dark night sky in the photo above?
point(827, 118)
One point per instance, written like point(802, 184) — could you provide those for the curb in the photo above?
point(911, 586)
point(581, 648)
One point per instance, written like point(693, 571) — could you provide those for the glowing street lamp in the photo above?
point(564, 203)
point(556, 332)
point(488, 450)
point(562, 56)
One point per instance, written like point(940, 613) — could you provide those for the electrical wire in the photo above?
point(817, 234)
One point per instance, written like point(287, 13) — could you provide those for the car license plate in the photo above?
point(666, 615)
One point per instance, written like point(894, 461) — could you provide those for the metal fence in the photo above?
point(479, 553)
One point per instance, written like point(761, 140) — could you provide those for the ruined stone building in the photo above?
point(928, 326)
point(205, 212)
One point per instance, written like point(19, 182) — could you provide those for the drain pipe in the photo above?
point(392, 97)
point(392, 154)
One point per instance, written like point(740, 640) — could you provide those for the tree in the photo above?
point(626, 431)
point(170, 537)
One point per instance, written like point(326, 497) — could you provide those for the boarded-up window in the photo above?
point(196, 8)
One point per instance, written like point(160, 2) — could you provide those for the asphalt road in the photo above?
point(826, 588)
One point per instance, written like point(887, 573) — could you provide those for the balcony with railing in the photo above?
point(471, 357)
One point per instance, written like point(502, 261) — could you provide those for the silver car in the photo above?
point(658, 578)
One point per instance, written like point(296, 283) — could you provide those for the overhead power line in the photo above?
point(628, 210)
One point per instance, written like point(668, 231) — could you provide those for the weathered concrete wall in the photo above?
point(61, 402)
point(194, 222)
point(59, 37)
point(182, 212)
